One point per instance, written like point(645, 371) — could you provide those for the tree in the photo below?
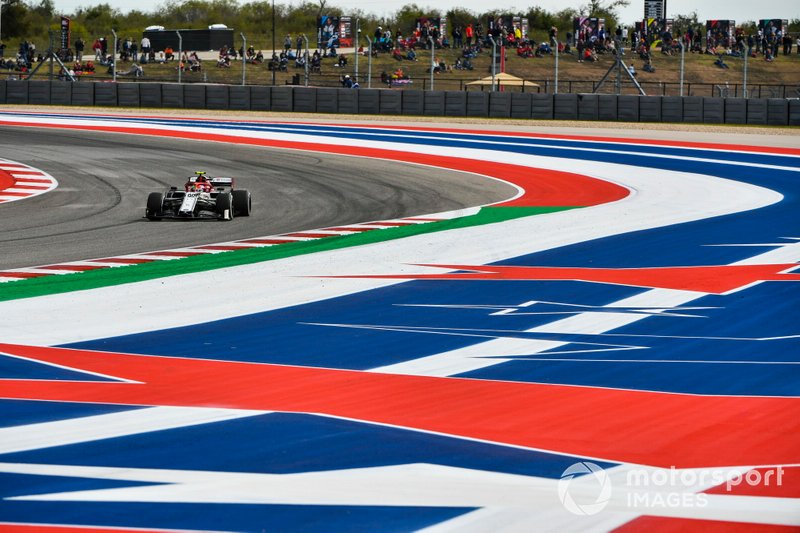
point(606, 9)
point(16, 20)
point(681, 23)
point(406, 18)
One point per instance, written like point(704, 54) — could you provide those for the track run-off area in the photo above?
point(614, 344)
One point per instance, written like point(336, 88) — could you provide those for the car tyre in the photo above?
point(242, 203)
point(155, 206)
point(225, 202)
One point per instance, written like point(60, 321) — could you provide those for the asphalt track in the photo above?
point(104, 179)
point(624, 360)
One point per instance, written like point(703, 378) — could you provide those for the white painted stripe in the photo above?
point(91, 428)
point(29, 192)
point(414, 485)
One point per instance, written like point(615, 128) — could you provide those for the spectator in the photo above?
point(169, 53)
point(347, 81)
point(79, 46)
point(458, 40)
point(411, 55)
point(299, 44)
point(98, 49)
point(145, 50)
point(316, 62)
point(787, 44)
point(287, 42)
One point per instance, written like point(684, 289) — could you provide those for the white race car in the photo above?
point(202, 198)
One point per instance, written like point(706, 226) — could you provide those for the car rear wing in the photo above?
point(215, 182)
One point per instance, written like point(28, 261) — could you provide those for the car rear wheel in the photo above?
point(155, 206)
point(225, 203)
point(242, 203)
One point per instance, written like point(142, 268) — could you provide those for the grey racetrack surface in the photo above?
point(104, 179)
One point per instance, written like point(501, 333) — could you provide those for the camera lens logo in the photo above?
point(584, 489)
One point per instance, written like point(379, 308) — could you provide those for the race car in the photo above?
point(203, 197)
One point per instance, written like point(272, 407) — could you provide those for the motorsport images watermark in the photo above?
point(586, 489)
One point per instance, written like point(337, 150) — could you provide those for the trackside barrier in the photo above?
point(542, 108)
point(413, 104)
point(39, 93)
point(713, 110)
point(61, 94)
point(391, 102)
point(672, 109)
point(565, 106)
point(305, 100)
point(217, 97)
point(128, 94)
point(521, 105)
point(588, 107)
point(497, 104)
point(150, 95)
point(433, 103)
point(628, 108)
point(477, 104)
point(105, 94)
point(757, 112)
point(369, 101)
point(650, 109)
point(239, 98)
point(794, 112)
point(17, 92)
point(194, 96)
point(83, 94)
point(777, 112)
point(735, 111)
point(455, 103)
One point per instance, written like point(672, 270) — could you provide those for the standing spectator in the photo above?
point(97, 47)
point(287, 43)
point(458, 41)
point(787, 44)
point(470, 33)
point(79, 46)
point(145, 50)
point(299, 44)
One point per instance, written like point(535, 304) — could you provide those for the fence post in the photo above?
point(683, 55)
point(244, 55)
point(744, 81)
point(494, 59)
point(305, 62)
point(180, 55)
point(433, 57)
point(555, 47)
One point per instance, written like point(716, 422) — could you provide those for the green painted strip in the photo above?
point(57, 284)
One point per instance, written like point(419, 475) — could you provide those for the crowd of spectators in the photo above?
point(587, 44)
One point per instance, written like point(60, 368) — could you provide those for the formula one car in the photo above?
point(202, 197)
